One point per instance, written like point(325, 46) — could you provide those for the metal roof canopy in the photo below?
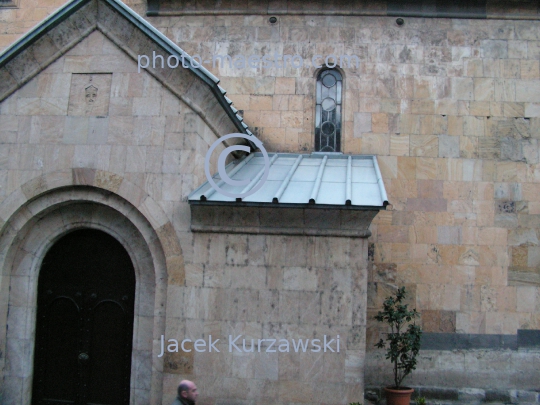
point(317, 180)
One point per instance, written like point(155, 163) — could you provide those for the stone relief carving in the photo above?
point(91, 94)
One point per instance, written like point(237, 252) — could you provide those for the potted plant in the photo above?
point(402, 344)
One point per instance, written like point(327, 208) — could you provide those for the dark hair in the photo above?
point(182, 387)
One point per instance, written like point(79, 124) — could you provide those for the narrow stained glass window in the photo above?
point(328, 112)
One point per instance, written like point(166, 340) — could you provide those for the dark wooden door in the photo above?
point(84, 328)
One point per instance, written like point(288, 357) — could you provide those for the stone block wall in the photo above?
point(451, 107)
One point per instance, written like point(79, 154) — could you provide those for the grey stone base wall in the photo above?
point(484, 369)
point(438, 395)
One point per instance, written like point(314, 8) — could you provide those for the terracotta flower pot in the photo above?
point(400, 396)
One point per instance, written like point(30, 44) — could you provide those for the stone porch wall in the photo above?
point(269, 286)
point(137, 141)
point(141, 143)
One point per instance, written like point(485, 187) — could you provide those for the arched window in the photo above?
point(328, 111)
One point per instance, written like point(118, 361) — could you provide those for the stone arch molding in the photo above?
point(41, 211)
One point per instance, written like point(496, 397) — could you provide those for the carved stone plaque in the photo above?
point(89, 94)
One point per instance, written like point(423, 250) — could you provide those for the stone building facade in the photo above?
point(448, 101)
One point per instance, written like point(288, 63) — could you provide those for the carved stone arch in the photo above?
point(107, 182)
point(28, 234)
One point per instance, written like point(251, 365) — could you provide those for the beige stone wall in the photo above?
point(450, 107)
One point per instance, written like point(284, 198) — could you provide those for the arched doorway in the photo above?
point(84, 327)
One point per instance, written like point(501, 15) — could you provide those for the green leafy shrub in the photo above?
point(403, 342)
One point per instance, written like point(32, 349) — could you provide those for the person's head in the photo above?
point(188, 391)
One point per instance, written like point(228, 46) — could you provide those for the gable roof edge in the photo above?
point(35, 33)
point(173, 48)
point(153, 33)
